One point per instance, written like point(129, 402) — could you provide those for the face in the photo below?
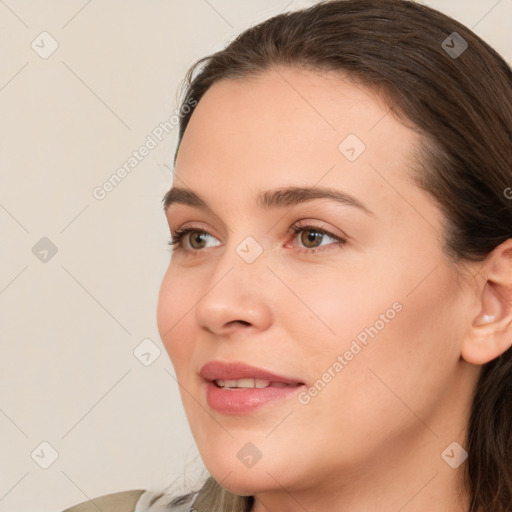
point(360, 306)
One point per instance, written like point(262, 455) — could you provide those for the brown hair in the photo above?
point(460, 100)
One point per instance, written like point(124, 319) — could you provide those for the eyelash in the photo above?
point(176, 239)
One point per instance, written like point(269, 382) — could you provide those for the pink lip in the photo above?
point(215, 370)
point(244, 400)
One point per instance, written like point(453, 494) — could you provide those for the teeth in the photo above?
point(260, 383)
point(247, 383)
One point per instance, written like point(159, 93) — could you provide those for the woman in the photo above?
point(341, 228)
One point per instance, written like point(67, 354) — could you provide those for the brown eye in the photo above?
point(197, 238)
point(312, 237)
point(307, 238)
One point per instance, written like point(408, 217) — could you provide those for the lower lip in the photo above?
point(245, 400)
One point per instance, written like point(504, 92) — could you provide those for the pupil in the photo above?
point(196, 238)
point(315, 236)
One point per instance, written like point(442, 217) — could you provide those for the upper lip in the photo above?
point(219, 370)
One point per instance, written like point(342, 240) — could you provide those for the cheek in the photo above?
point(400, 344)
point(174, 312)
point(408, 362)
point(330, 309)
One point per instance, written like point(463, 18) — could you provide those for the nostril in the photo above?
point(240, 322)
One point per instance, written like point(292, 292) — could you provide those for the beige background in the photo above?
point(71, 371)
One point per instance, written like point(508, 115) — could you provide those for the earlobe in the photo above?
point(490, 333)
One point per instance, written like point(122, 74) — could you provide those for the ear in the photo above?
point(490, 333)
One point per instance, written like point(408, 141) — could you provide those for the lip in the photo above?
point(215, 370)
point(244, 400)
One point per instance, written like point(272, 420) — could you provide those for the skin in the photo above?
point(372, 439)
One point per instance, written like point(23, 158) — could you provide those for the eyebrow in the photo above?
point(278, 198)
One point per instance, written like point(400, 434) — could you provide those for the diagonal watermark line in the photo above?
point(301, 300)
point(388, 111)
point(89, 500)
point(13, 217)
point(317, 111)
point(7, 7)
point(14, 76)
point(298, 503)
point(220, 481)
point(218, 12)
point(95, 95)
point(423, 280)
point(192, 307)
point(76, 14)
point(74, 218)
point(280, 423)
point(96, 404)
point(95, 299)
point(286, 6)
point(10, 490)
point(13, 423)
point(13, 279)
point(404, 198)
point(262, 503)
point(405, 504)
point(404, 403)
point(486, 14)
point(200, 405)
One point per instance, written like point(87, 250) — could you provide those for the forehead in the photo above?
point(290, 126)
point(291, 103)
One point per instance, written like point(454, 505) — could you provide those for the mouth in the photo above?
point(238, 388)
point(250, 383)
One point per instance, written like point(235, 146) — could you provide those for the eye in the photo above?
point(180, 234)
point(321, 233)
point(310, 242)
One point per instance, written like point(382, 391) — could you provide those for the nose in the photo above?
point(238, 296)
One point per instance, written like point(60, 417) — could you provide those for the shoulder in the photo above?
point(160, 501)
point(139, 500)
point(119, 502)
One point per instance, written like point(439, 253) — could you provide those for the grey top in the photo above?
point(162, 504)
